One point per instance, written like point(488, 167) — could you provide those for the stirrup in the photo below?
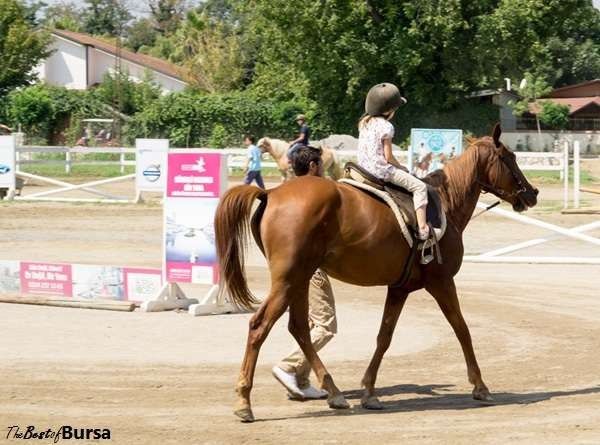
point(427, 252)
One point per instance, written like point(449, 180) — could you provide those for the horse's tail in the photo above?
point(231, 235)
point(335, 169)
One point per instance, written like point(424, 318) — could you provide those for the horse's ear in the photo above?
point(496, 135)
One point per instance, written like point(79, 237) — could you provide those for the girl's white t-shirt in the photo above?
point(370, 147)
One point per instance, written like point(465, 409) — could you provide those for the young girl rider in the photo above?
point(375, 148)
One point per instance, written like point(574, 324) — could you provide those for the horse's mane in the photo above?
point(460, 174)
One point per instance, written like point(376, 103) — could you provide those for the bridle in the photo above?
point(490, 188)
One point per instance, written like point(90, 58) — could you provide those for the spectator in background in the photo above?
point(252, 167)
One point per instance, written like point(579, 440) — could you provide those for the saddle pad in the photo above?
point(402, 206)
point(385, 197)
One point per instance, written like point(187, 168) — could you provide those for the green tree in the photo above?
point(212, 57)
point(166, 14)
point(553, 115)
point(63, 16)
point(543, 37)
point(530, 89)
point(141, 35)
point(21, 45)
point(135, 96)
point(105, 17)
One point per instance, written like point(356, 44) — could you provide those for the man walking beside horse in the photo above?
point(294, 370)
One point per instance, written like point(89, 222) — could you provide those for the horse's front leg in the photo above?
point(444, 292)
point(393, 306)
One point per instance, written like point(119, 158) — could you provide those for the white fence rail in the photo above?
point(25, 155)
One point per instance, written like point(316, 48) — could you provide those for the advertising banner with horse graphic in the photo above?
point(430, 149)
point(195, 181)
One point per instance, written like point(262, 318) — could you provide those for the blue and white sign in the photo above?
point(7, 162)
point(430, 149)
point(151, 164)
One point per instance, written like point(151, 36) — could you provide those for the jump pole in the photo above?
point(542, 224)
point(530, 260)
point(73, 187)
point(576, 173)
point(62, 184)
point(566, 175)
point(538, 241)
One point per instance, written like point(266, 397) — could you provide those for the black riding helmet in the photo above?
point(382, 98)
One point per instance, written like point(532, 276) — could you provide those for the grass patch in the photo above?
point(81, 171)
point(553, 177)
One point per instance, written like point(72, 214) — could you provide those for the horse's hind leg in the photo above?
point(298, 327)
point(260, 325)
point(444, 293)
point(393, 306)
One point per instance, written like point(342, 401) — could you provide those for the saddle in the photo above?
point(394, 195)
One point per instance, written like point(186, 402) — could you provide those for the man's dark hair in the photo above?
point(302, 156)
point(250, 137)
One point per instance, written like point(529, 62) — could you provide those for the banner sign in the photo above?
point(46, 279)
point(10, 277)
point(91, 282)
point(80, 281)
point(151, 164)
point(7, 162)
point(195, 181)
point(141, 284)
point(431, 149)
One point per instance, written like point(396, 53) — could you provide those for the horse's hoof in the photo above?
point(483, 395)
point(338, 402)
point(245, 414)
point(371, 402)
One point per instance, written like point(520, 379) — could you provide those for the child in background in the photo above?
point(375, 148)
point(252, 167)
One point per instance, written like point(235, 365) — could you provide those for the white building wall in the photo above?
point(101, 63)
point(551, 140)
point(66, 66)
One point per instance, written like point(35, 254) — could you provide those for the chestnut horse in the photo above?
point(278, 148)
point(311, 223)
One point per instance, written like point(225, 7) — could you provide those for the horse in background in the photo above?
point(278, 148)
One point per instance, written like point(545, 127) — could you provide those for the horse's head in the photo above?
point(264, 144)
point(500, 175)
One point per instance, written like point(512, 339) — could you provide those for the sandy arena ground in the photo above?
point(168, 378)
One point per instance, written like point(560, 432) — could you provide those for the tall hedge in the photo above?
point(190, 119)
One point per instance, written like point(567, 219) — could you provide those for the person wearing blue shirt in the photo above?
point(252, 167)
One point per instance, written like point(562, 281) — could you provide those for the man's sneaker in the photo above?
point(313, 393)
point(288, 380)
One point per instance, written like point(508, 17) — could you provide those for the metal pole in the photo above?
point(122, 161)
point(542, 224)
point(68, 162)
point(566, 175)
point(576, 173)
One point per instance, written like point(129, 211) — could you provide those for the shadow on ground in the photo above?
point(440, 399)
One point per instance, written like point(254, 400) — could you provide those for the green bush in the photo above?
point(554, 116)
point(47, 112)
point(190, 119)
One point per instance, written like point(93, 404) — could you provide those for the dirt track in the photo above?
point(168, 377)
